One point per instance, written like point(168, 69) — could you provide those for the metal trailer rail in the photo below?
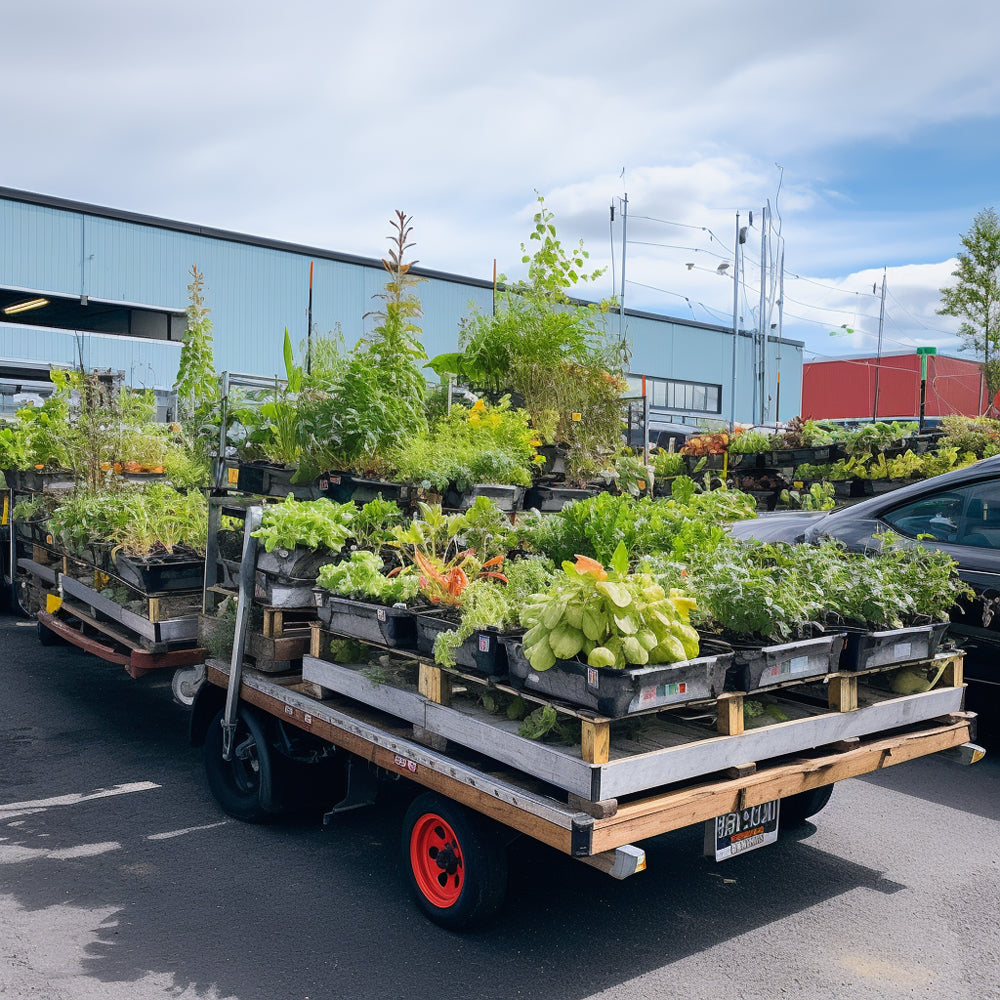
point(564, 823)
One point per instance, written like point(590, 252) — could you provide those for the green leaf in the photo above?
point(619, 561)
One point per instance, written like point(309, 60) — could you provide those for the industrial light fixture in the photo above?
point(20, 307)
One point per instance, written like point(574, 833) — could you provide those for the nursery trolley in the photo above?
point(333, 730)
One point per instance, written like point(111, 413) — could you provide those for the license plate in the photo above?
point(738, 832)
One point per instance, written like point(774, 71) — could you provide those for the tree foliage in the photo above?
point(975, 296)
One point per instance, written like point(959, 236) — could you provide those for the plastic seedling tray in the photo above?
point(617, 693)
point(378, 623)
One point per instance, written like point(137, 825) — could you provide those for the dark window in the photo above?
point(678, 394)
point(967, 515)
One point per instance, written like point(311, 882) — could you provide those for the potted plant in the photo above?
point(299, 536)
point(894, 606)
point(613, 640)
point(355, 598)
point(765, 601)
point(489, 616)
point(486, 450)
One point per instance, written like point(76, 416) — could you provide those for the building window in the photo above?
point(679, 394)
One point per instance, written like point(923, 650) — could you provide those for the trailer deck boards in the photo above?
point(170, 630)
point(531, 803)
point(671, 748)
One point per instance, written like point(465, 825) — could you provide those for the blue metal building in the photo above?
point(115, 285)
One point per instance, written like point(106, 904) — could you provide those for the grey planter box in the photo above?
point(617, 693)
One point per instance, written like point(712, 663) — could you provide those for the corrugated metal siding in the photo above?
point(845, 389)
point(39, 248)
point(255, 291)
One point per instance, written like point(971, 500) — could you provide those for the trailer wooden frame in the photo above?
point(513, 798)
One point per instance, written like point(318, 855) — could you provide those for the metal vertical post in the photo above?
point(762, 321)
point(878, 357)
point(736, 325)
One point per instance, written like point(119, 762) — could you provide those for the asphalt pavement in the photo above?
point(120, 879)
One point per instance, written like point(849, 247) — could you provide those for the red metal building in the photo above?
point(844, 388)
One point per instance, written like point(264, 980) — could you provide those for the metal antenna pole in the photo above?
point(762, 320)
point(621, 304)
point(736, 325)
point(878, 358)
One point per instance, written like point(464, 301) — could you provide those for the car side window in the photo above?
point(968, 515)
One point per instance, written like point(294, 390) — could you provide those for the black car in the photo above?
point(958, 512)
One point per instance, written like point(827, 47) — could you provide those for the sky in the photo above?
point(864, 133)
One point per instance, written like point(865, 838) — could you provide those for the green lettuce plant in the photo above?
point(311, 524)
point(612, 617)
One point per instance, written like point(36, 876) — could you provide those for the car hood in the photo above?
point(786, 527)
point(810, 526)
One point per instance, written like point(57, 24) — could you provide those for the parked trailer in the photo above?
point(331, 729)
point(454, 834)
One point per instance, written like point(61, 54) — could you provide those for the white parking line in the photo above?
point(189, 829)
point(10, 809)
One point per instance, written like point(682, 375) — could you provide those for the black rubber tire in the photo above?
point(242, 785)
point(796, 809)
point(47, 637)
point(482, 861)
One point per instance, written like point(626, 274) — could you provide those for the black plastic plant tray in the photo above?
point(386, 626)
point(158, 574)
point(617, 693)
point(484, 650)
point(273, 481)
point(507, 498)
point(553, 498)
point(343, 487)
point(866, 650)
point(756, 667)
point(295, 564)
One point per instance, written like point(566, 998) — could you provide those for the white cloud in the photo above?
point(312, 123)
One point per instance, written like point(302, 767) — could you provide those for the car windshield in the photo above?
point(967, 515)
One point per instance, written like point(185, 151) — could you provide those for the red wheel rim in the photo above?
point(436, 860)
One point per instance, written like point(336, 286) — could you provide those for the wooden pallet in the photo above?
point(603, 740)
point(270, 654)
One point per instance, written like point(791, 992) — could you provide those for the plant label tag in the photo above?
point(902, 651)
point(324, 484)
point(381, 615)
point(593, 678)
point(484, 643)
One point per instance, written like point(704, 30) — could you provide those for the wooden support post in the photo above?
point(316, 640)
point(274, 622)
point(595, 741)
point(729, 721)
point(434, 684)
point(842, 693)
point(154, 609)
point(604, 809)
point(954, 673)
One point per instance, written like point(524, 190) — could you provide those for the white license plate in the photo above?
point(738, 832)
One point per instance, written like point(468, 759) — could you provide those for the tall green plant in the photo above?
point(350, 419)
point(197, 382)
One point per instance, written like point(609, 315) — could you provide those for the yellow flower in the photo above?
point(478, 406)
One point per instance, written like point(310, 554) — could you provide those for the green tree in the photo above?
point(975, 296)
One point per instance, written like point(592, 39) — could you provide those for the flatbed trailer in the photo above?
point(332, 731)
point(71, 610)
point(473, 801)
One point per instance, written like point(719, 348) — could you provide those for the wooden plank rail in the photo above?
point(582, 829)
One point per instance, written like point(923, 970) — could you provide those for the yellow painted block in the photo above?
point(53, 602)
